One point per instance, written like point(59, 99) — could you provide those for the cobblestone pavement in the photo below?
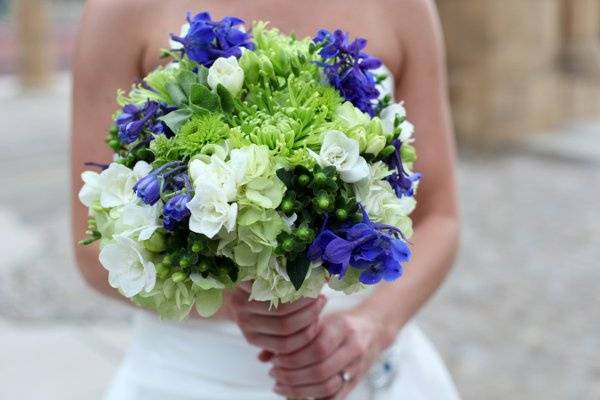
point(517, 319)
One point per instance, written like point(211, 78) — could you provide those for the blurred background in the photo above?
point(517, 319)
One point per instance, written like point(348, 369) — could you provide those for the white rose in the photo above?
point(388, 116)
point(128, 267)
point(138, 221)
point(210, 211)
point(341, 152)
point(227, 72)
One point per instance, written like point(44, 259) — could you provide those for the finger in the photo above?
point(356, 370)
point(284, 344)
point(340, 360)
point(246, 286)
point(240, 300)
point(281, 326)
point(265, 356)
point(326, 389)
point(326, 342)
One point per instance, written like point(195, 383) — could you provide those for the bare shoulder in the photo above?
point(112, 26)
point(415, 20)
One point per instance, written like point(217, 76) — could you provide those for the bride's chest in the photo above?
point(305, 18)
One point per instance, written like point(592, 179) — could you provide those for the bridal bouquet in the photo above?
point(253, 157)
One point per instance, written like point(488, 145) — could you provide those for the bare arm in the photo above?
point(351, 341)
point(422, 85)
point(106, 57)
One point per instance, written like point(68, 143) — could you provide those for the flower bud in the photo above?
point(156, 243)
point(287, 205)
point(184, 262)
point(148, 189)
point(179, 276)
point(320, 178)
point(375, 145)
point(162, 270)
point(204, 265)
point(303, 180)
point(288, 244)
point(305, 234)
point(226, 72)
point(387, 151)
point(341, 214)
point(197, 247)
point(323, 202)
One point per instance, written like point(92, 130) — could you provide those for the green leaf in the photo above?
point(175, 119)
point(176, 93)
point(297, 269)
point(287, 177)
point(201, 96)
point(227, 102)
point(186, 79)
point(203, 75)
point(208, 302)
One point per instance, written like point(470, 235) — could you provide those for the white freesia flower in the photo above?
point(128, 267)
point(211, 211)
point(341, 152)
point(138, 221)
point(388, 116)
point(351, 116)
point(113, 187)
point(90, 192)
point(217, 173)
point(227, 72)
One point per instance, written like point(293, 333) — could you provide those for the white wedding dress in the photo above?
point(210, 360)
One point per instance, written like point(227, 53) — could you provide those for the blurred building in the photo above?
point(521, 66)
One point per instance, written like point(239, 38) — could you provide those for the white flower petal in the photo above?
point(356, 173)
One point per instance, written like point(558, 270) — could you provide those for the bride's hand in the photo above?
point(280, 330)
point(347, 342)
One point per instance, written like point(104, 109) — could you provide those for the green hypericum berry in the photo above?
point(305, 234)
point(197, 247)
point(203, 265)
point(167, 260)
point(320, 178)
point(303, 180)
point(357, 216)
point(114, 144)
point(288, 244)
point(323, 202)
point(162, 270)
point(341, 214)
point(179, 276)
point(287, 205)
point(184, 262)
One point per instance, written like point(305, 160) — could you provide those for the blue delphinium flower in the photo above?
point(348, 68)
point(400, 180)
point(176, 210)
point(208, 40)
point(134, 119)
point(148, 189)
point(376, 249)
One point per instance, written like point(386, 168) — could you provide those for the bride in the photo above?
point(360, 347)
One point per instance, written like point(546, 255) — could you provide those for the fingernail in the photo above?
point(277, 389)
